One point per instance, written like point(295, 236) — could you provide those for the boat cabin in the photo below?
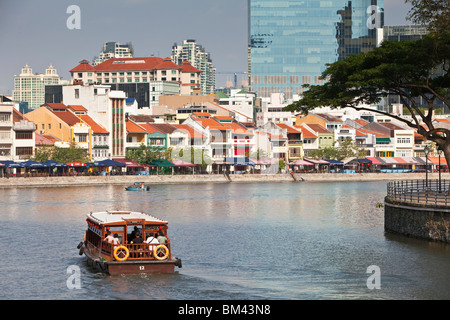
point(130, 231)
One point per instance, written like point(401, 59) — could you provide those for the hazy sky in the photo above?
point(35, 32)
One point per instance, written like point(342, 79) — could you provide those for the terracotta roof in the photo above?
point(77, 108)
point(306, 132)
point(237, 128)
point(211, 123)
point(44, 140)
point(134, 128)
point(141, 118)
point(68, 117)
point(379, 135)
point(55, 106)
point(83, 66)
point(318, 128)
point(328, 117)
point(167, 64)
point(361, 122)
point(96, 128)
point(190, 131)
point(288, 128)
point(187, 67)
point(125, 64)
point(159, 127)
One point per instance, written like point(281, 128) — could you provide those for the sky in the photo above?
point(36, 32)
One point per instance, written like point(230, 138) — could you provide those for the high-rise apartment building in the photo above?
point(29, 87)
point(114, 50)
point(200, 59)
point(290, 42)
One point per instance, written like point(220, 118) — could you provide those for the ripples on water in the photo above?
point(236, 241)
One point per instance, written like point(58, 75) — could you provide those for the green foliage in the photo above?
point(63, 155)
point(145, 154)
point(345, 149)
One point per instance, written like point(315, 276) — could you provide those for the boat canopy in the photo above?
point(122, 217)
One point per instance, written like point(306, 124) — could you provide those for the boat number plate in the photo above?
point(141, 267)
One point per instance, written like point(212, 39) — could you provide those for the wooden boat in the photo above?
point(124, 254)
point(138, 186)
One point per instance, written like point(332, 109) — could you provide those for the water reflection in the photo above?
point(237, 241)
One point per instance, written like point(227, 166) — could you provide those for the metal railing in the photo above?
point(428, 192)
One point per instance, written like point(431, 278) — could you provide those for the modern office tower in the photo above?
point(29, 87)
point(290, 42)
point(200, 59)
point(114, 50)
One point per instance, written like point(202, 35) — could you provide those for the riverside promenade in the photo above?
point(209, 178)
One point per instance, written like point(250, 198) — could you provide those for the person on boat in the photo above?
point(138, 238)
point(161, 238)
point(109, 238)
point(116, 240)
point(134, 232)
point(152, 241)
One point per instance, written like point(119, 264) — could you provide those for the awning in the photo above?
point(335, 162)
point(389, 160)
point(76, 164)
point(108, 163)
point(182, 163)
point(12, 164)
point(161, 163)
point(33, 164)
point(129, 163)
point(265, 161)
point(378, 140)
point(374, 160)
point(435, 160)
point(301, 163)
point(52, 163)
point(237, 161)
point(315, 161)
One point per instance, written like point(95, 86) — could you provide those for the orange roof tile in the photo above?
point(96, 128)
point(306, 133)
point(187, 67)
point(190, 131)
point(134, 128)
point(125, 64)
point(288, 128)
point(318, 128)
point(83, 66)
point(77, 108)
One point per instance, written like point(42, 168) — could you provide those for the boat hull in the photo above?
point(131, 267)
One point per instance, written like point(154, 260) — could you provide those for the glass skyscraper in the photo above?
point(290, 42)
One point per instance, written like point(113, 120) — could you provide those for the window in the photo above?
point(24, 135)
point(24, 151)
point(82, 138)
point(77, 93)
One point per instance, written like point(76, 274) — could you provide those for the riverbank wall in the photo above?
point(425, 221)
point(212, 178)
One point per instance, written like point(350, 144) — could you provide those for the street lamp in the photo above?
point(427, 152)
point(439, 154)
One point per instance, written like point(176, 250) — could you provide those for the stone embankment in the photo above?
point(212, 178)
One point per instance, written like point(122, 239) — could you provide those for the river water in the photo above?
point(248, 241)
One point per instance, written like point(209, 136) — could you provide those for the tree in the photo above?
point(433, 13)
point(407, 69)
point(63, 155)
point(145, 154)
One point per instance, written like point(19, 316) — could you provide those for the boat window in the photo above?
point(131, 230)
point(119, 230)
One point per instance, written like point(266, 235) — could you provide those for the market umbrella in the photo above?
point(182, 163)
point(52, 163)
point(76, 164)
point(12, 164)
point(109, 163)
point(161, 163)
point(33, 164)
